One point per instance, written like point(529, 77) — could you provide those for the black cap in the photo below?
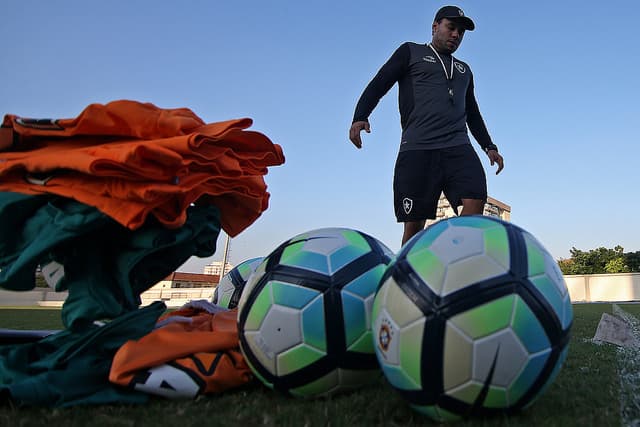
point(454, 13)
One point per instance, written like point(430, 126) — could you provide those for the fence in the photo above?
point(174, 297)
point(604, 287)
point(582, 288)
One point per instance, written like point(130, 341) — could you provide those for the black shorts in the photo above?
point(420, 176)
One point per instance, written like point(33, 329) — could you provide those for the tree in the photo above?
point(616, 265)
point(566, 266)
point(600, 260)
point(632, 260)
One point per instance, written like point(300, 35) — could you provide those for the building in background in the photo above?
point(216, 268)
point(178, 289)
point(187, 280)
point(493, 207)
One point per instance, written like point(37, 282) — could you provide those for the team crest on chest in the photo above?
point(460, 67)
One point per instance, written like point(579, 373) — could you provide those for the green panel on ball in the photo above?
point(528, 328)
point(429, 267)
point(467, 394)
point(457, 358)
point(356, 247)
point(224, 299)
point(259, 309)
point(364, 344)
point(359, 377)
point(318, 387)
point(292, 295)
point(399, 306)
point(496, 245)
point(486, 318)
point(398, 378)
point(247, 267)
point(356, 240)
point(496, 398)
point(257, 375)
point(314, 331)
point(436, 413)
point(411, 350)
point(378, 301)
point(297, 358)
point(535, 256)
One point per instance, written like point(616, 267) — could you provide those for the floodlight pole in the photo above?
point(224, 256)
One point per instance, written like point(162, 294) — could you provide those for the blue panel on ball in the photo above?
point(313, 325)
point(568, 314)
point(292, 295)
point(355, 317)
point(472, 221)
point(527, 377)
point(528, 328)
point(345, 256)
point(425, 238)
point(555, 372)
point(310, 260)
point(366, 284)
point(550, 291)
point(397, 378)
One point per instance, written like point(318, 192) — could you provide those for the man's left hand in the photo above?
point(495, 157)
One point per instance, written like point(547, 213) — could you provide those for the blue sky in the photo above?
point(556, 82)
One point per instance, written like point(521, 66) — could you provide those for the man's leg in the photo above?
point(466, 183)
point(411, 228)
point(472, 207)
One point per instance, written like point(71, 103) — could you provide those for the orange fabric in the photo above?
point(123, 118)
point(207, 347)
point(240, 200)
point(130, 179)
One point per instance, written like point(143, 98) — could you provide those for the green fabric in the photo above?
point(31, 226)
point(104, 266)
point(108, 272)
point(72, 367)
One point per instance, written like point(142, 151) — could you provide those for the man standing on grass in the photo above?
point(437, 103)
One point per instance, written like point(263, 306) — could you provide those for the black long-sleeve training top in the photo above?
point(434, 111)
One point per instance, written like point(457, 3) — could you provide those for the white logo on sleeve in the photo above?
point(53, 273)
point(407, 205)
point(167, 381)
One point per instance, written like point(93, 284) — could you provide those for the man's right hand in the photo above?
point(354, 132)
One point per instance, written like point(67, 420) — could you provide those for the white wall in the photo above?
point(582, 288)
point(604, 287)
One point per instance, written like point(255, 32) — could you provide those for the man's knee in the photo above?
point(411, 228)
point(472, 207)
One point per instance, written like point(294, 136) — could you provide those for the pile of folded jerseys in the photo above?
point(111, 202)
point(183, 354)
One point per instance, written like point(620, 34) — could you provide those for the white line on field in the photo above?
point(629, 372)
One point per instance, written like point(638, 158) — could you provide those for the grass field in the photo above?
point(586, 393)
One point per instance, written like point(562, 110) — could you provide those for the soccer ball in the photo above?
point(304, 318)
point(227, 293)
point(473, 317)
